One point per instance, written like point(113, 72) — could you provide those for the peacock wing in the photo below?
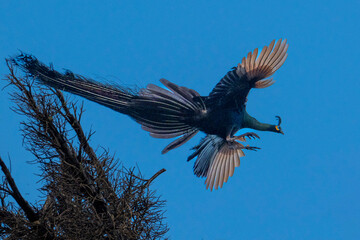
point(250, 73)
point(216, 159)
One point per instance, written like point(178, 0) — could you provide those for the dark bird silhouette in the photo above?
point(181, 112)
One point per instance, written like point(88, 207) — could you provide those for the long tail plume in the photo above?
point(114, 97)
point(163, 113)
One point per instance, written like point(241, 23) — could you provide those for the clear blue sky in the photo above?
point(303, 185)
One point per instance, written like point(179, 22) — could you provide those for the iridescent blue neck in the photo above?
point(250, 122)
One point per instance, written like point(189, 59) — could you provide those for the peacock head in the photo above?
point(277, 127)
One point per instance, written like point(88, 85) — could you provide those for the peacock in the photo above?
point(179, 112)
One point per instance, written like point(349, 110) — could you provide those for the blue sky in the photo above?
point(303, 185)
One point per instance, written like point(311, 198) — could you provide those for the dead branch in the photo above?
point(15, 193)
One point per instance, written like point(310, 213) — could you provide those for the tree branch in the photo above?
point(154, 176)
point(86, 196)
point(15, 193)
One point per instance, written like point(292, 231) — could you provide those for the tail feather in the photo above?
point(169, 113)
point(166, 132)
point(216, 160)
point(114, 97)
point(184, 94)
point(176, 133)
point(163, 113)
point(180, 141)
point(153, 91)
point(167, 98)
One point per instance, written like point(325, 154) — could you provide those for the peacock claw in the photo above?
point(251, 148)
point(250, 135)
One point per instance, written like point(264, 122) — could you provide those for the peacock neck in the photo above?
point(251, 122)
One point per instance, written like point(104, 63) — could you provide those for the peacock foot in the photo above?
point(251, 148)
point(249, 135)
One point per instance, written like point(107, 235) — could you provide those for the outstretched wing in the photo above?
point(234, 87)
point(216, 159)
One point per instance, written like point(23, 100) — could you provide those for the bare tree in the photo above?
point(87, 197)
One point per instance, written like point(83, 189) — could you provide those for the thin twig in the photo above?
point(154, 176)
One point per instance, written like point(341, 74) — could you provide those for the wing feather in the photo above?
point(240, 154)
point(266, 55)
point(216, 160)
point(279, 56)
point(212, 174)
point(276, 53)
point(259, 59)
point(234, 87)
point(232, 164)
point(180, 141)
point(227, 166)
point(218, 170)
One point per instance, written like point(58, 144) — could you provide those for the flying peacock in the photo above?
point(179, 112)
